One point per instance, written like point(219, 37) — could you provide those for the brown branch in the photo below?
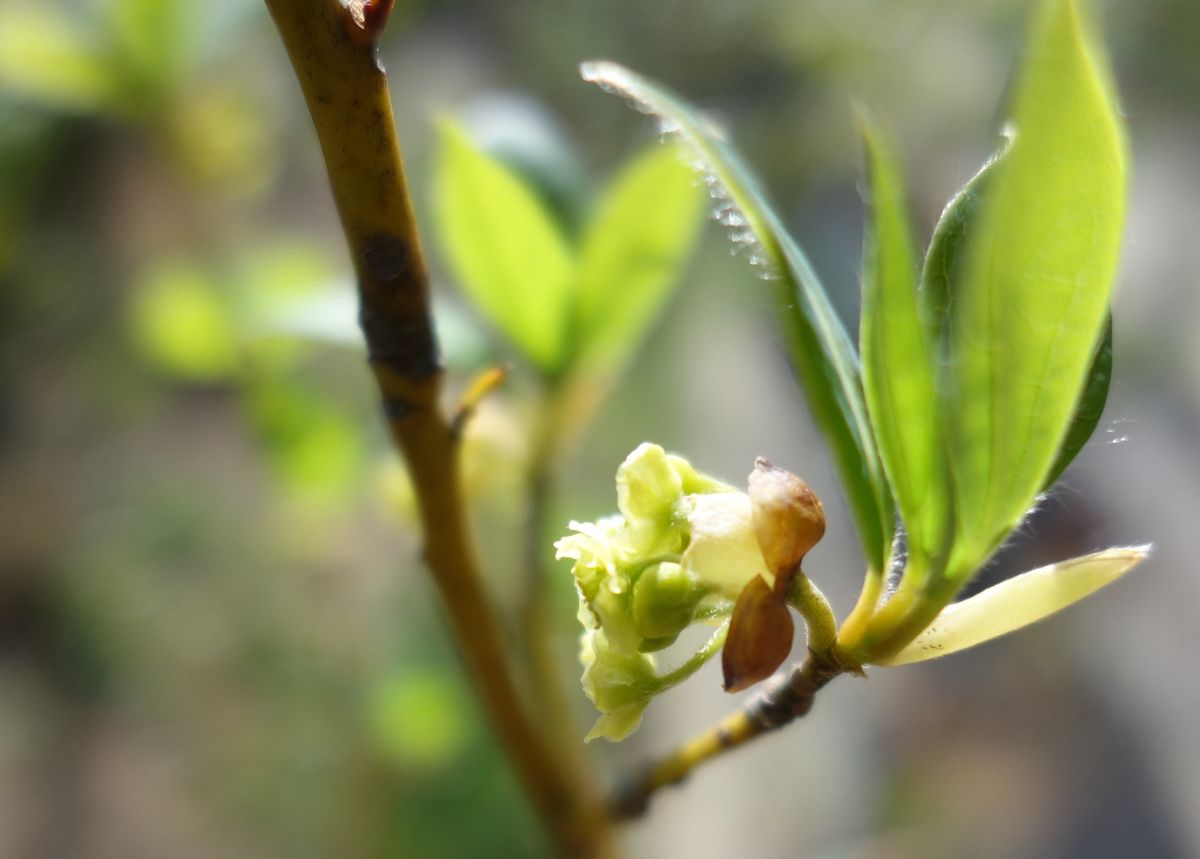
point(333, 54)
point(785, 698)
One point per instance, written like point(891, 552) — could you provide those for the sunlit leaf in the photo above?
point(942, 272)
point(633, 250)
point(1036, 283)
point(47, 57)
point(524, 134)
point(180, 324)
point(898, 373)
point(1017, 602)
point(820, 349)
point(942, 276)
point(504, 248)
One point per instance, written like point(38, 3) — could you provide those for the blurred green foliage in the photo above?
point(564, 303)
point(158, 64)
point(180, 325)
point(421, 719)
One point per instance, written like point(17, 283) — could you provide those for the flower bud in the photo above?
point(664, 602)
point(788, 517)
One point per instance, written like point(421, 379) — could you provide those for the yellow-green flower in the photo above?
point(682, 549)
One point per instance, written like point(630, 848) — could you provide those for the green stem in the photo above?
point(710, 649)
point(854, 627)
point(806, 598)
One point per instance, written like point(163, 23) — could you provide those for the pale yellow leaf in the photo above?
point(1018, 602)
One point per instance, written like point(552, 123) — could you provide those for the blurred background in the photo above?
point(216, 639)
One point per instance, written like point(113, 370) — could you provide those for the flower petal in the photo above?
point(723, 553)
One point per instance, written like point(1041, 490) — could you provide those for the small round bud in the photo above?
point(787, 516)
point(664, 600)
point(653, 645)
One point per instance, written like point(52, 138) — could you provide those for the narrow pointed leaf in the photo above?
point(504, 248)
point(1037, 281)
point(898, 373)
point(1018, 602)
point(633, 250)
point(941, 279)
point(820, 350)
point(942, 272)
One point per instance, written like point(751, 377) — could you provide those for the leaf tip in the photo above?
point(864, 118)
point(600, 71)
point(1134, 554)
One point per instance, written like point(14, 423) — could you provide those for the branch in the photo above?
point(785, 698)
point(331, 47)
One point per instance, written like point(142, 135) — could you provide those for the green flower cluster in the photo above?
point(680, 551)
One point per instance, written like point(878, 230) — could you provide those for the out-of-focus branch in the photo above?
point(535, 607)
point(331, 47)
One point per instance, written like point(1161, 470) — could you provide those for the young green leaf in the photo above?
point(898, 372)
point(820, 350)
point(633, 249)
point(504, 249)
point(1036, 283)
point(941, 278)
point(942, 272)
point(1017, 602)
